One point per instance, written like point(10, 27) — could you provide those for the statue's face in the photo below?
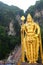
point(29, 20)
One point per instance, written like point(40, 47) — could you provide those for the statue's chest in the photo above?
point(29, 28)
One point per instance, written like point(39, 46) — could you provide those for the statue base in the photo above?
point(24, 63)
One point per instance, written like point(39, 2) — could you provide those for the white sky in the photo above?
point(23, 4)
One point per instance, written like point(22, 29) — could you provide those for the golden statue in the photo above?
point(30, 40)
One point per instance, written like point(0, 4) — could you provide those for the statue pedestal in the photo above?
point(31, 64)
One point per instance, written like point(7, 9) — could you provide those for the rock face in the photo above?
point(11, 29)
point(18, 18)
point(38, 13)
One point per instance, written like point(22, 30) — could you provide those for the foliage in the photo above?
point(7, 43)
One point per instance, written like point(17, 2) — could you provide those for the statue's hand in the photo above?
point(42, 58)
point(25, 50)
point(36, 35)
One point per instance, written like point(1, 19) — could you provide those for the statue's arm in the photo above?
point(23, 38)
point(38, 29)
point(22, 43)
point(41, 48)
point(40, 41)
point(22, 35)
point(22, 31)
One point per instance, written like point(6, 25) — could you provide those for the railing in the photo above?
point(8, 63)
point(14, 61)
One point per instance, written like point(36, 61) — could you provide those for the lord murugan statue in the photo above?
point(30, 40)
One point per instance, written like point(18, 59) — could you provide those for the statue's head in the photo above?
point(29, 18)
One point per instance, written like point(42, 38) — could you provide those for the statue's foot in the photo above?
point(29, 62)
point(32, 62)
point(35, 62)
point(23, 60)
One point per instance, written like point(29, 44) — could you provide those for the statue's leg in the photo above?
point(35, 50)
point(28, 54)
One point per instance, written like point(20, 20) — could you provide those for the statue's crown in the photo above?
point(29, 16)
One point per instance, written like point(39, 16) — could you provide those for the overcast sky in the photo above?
point(23, 4)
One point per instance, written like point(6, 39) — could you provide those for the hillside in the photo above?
point(9, 17)
point(9, 13)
